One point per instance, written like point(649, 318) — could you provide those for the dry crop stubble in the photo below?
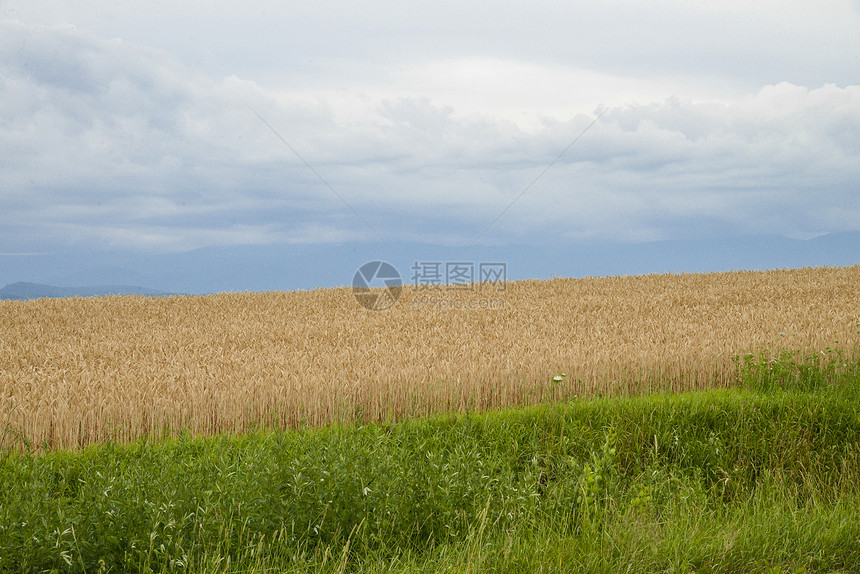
point(77, 371)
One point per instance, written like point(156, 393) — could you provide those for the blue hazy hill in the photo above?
point(24, 291)
point(308, 266)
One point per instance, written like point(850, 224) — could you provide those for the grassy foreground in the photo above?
point(765, 477)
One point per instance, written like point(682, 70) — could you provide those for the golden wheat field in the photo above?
point(78, 371)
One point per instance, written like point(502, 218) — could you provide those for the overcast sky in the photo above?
point(168, 126)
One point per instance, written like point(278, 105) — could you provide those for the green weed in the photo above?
point(762, 478)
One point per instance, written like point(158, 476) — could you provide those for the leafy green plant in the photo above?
point(793, 370)
point(598, 478)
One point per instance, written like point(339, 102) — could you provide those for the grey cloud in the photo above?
point(751, 44)
point(113, 142)
point(750, 167)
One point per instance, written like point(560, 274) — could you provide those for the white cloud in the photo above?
point(106, 141)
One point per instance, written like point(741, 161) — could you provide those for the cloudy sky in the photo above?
point(164, 126)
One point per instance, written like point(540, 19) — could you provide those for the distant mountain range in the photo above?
point(308, 266)
point(24, 291)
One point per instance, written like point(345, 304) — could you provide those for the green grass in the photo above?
point(764, 478)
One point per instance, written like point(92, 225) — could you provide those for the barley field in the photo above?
point(79, 371)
